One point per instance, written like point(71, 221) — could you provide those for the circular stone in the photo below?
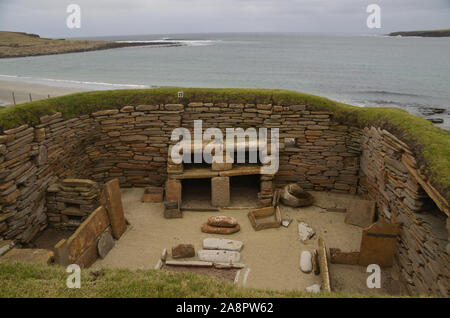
point(105, 244)
point(206, 228)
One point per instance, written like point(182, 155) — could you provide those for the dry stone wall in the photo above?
point(31, 158)
point(387, 176)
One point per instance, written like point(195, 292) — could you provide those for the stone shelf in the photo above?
point(201, 173)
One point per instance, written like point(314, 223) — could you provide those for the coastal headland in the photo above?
point(19, 44)
point(427, 33)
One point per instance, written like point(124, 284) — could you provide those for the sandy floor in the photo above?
point(22, 91)
point(271, 256)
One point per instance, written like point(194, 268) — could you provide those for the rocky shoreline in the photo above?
point(429, 33)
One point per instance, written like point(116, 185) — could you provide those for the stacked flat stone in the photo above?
point(387, 176)
point(221, 225)
point(70, 201)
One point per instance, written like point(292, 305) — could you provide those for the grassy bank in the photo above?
point(26, 280)
point(427, 33)
point(16, 44)
point(431, 144)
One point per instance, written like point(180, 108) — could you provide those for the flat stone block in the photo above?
point(222, 221)
point(172, 210)
point(360, 212)
point(153, 195)
point(220, 191)
point(189, 263)
point(222, 244)
point(219, 256)
point(183, 251)
point(206, 228)
point(28, 255)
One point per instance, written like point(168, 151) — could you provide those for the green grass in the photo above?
point(430, 143)
point(28, 280)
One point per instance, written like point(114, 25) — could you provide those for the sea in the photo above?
point(410, 73)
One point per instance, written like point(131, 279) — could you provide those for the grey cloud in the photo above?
point(109, 17)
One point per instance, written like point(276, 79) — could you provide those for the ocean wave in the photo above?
point(70, 83)
point(178, 41)
point(383, 92)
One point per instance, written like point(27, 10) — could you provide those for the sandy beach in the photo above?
point(23, 90)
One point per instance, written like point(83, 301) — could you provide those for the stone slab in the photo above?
point(183, 251)
point(153, 195)
point(219, 256)
point(114, 207)
point(323, 264)
point(173, 190)
point(229, 266)
point(85, 183)
point(87, 233)
point(306, 262)
point(347, 258)
point(206, 228)
point(265, 218)
point(222, 221)
point(220, 191)
point(378, 244)
point(305, 231)
point(5, 246)
point(28, 255)
point(222, 244)
point(241, 171)
point(360, 212)
point(196, 173)
point(189, 263)
point(105, 244)
point(315, 289)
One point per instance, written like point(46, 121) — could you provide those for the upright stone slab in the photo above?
point(220, 191)
point(378, 244)
point(360, 212)
point(173, 190)
point(113, 202)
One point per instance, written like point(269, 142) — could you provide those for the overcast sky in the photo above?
point(129, 17)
